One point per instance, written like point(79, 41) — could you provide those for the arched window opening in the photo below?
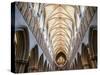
point(21, 42)
point(61, 59)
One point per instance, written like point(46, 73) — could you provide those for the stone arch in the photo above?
point(48, 67)
point(45, 65)
point(93, 45)
point(33, 59)
point(85, 57)
point(63, 56)
point(76, 64)
point(40, 63)
point(79, 61)
point(21, 42)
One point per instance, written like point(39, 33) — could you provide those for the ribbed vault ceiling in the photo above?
point(60, 22)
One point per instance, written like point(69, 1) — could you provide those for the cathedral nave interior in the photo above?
point(54, 37)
